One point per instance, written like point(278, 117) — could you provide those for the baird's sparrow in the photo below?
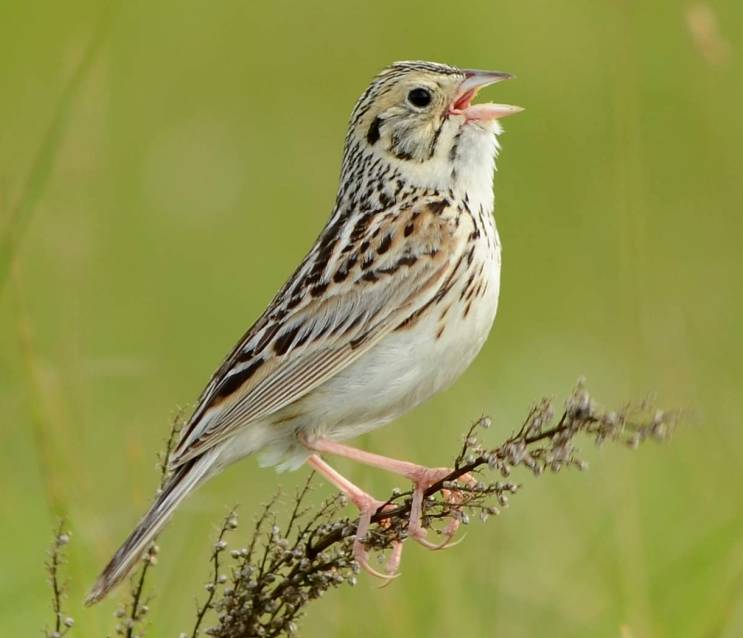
point(390, 306)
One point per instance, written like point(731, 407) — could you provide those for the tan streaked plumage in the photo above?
point(390, 306)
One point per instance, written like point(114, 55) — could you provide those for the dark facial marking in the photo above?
point(435, 140)
point(372, 135)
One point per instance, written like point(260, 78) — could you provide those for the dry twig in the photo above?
point(62, 623)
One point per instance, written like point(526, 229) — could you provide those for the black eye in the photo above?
point(419, 97)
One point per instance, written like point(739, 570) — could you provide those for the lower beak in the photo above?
point(475, 80)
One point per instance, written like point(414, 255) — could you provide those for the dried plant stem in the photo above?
point(138, 607)
point(230, 523)
point(280, 572)
point(62, 624)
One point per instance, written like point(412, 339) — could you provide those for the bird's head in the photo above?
point(419, 117)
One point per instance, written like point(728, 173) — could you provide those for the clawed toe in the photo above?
point(452, 497)
point(419, 535)
point(361, 556)
point(445, 544)
point(422, 477)
point(360, 553)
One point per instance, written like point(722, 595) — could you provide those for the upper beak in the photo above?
point(475, 80)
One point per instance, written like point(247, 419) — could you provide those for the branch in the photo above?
point(273, 579)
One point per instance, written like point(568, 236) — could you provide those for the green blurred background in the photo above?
point(195, 161)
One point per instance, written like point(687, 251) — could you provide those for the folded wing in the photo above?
point(360, 282)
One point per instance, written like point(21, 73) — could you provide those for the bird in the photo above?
point(390, 306)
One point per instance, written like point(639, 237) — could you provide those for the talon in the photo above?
point(360, 555)
point(447, 544)
point(452, 497)
point(420, 538)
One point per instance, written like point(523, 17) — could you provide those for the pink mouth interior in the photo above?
point(463, 101)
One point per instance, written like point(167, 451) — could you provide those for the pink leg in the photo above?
point(421, 476)
point(367, 506)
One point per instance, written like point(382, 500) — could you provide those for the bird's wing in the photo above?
point(361, 281)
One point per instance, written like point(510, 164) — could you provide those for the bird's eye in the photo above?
point(419, 97)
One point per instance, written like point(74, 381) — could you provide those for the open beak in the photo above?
point(475, 80)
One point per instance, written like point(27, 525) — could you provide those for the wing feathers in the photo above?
point(388, 277)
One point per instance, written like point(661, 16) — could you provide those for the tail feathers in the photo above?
point(186, 478)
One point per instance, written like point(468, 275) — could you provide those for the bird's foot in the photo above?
point(368, 506)
point(423, 478)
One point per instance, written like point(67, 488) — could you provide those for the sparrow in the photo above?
point(388, 308)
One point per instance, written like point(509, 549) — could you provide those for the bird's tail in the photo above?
point(185, 479)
